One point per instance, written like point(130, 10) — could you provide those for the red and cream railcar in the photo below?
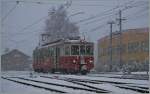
point(66, 56)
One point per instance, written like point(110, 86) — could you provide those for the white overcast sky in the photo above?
point(15, 36)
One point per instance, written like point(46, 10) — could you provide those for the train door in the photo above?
point(57, 58)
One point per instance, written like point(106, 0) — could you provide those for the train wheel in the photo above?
point(84, 72)
point(53, 70)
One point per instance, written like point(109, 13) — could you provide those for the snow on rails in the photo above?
point(78, 84)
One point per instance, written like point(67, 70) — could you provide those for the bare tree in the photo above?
point(59, 26)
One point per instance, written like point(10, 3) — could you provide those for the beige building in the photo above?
point(134, 50)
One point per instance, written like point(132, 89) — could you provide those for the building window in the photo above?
point(133, 47)
point(136, 46)
point(117, 49)
point(101, 52)
point(145, 46)
point(123, 48)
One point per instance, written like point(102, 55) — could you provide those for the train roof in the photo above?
point(62, 41)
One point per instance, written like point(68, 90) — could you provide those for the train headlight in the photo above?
point(74, 61)
point(91, 61)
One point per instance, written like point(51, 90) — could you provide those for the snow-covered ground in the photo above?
point(10, 87)
point(145, 82)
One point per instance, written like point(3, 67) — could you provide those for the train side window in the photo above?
point(61, 50)
point(51, 51)
point(67, 50)
point(89, 50)
point(82, 50)
point(47, 53)
point(75, 50)
point(35, 55)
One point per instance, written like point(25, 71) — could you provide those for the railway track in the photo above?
point(72, 87)
point(133, 88)
point(37, 86)
point(78, 82)
point(117, 84)
point(123, 77)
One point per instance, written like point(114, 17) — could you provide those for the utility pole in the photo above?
point(110, 44)
point(120, 19)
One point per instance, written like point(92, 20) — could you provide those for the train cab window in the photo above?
point(75, 50)
point(46, 51)
point(67, 50)
point(89, 50)
point(82, 50)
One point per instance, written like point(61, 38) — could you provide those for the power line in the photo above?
point(104, 24)
point(101, 26)
point(93, 17)
point(39, 21)
point(30, 25)
point(21, 41)
point(137, 16)
point(117, 7)
point(109, 14)
point(34, 22)
point(26, 1)
point(97, 20)
point(98, 27)
point(103, 13)
point(68, 4)
point(17, 2)
point(138, 12)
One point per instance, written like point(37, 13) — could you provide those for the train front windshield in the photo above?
point(74, 50)
point(89, 50)
point(81, 50)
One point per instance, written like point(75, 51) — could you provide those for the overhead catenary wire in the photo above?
point(101, 26)
point(51, 2)
point(34, 24)
point(11, 10)
point(96, 28)
point(111, 14)
point(138, 12)
point(30, 25)
point(37, 21)
point(117, 7)
point(25, 38)
point(103, 13)
point(136, 15)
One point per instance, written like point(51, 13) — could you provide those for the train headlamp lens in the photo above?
point(74, 61)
